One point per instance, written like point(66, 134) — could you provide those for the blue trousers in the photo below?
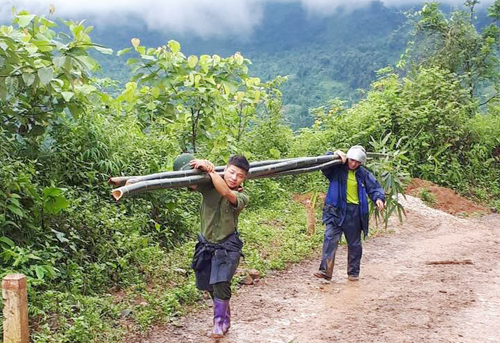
point(352, 232)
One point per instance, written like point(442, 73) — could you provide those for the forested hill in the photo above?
point(323, 57)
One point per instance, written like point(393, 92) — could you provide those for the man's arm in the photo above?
point(221, 187)
point(218, 182)
point(328, 172)
point(375, 191)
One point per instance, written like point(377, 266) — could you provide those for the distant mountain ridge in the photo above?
point(324, 57)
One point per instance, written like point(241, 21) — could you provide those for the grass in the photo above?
point(277, 236)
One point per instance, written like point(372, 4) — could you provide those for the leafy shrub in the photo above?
point(428, 197)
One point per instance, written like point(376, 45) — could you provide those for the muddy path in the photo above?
point(435, 278)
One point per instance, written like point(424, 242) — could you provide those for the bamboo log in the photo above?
point(150, 185)
point(289, 167)
point(15, 310)
point(127, 180)
point(301, 170)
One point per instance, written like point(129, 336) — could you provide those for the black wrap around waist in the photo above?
point(204, 249)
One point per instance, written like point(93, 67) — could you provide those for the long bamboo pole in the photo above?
point(302, 170)
point(123, 180)
point(127, 180)
point(288, 167)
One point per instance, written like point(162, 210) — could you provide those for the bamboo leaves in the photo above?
point(390, 170)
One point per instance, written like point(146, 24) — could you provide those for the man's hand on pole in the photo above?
point(204, 165)
point(342, 155)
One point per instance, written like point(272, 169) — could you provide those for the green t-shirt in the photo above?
point(352, 188)
point(219, 218)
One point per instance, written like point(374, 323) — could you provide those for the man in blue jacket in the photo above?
point(346, 210)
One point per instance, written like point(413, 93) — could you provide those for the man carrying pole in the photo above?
point(218, 250)
point(346, 210)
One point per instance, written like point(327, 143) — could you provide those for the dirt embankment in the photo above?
point(444, 199)
point(435, 278)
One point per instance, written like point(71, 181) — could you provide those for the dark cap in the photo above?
point(181, 162)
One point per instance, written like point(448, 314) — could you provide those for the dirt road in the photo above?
point(436, 278)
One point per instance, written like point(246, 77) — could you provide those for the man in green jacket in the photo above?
point(218, 250)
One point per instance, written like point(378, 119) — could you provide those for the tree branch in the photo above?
point(487, 101)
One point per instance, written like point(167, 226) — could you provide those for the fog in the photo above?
point(204, 18)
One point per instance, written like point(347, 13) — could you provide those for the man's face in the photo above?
point(234, 176)
point(353, 164)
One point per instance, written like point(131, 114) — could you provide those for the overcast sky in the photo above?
point(201, 17)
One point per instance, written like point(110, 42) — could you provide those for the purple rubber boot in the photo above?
point(220, 310)
point(226, 324)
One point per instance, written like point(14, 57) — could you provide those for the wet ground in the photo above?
point(434, 278)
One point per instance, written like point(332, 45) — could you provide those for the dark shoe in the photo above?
point(353, 277)
point(322, 275)
point(226, 324)
point(220, 310)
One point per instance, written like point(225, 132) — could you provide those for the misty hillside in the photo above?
point(324, 58)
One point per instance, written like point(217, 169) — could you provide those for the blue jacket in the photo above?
point(335, 206)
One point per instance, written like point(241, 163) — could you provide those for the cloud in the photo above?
point(329, 7)
point(205, 18)
point(202, 17)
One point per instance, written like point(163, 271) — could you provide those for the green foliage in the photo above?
point(335, 55)
point(482, 171)
point(41, 74)
point(428, 197)
point(430, 109)
point(54, 200)
point(269, 137)
point(427, 110)
point(454, 44)
point(66, 317)
point(58, 224)
point(430, 112)
point(276, 235)
point(204, 101)
point(18, 196)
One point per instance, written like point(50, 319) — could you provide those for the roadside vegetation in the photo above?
point(97, 268)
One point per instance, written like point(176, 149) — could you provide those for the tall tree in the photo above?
point(199, 99)
point(456, 45)
point(43, 73)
